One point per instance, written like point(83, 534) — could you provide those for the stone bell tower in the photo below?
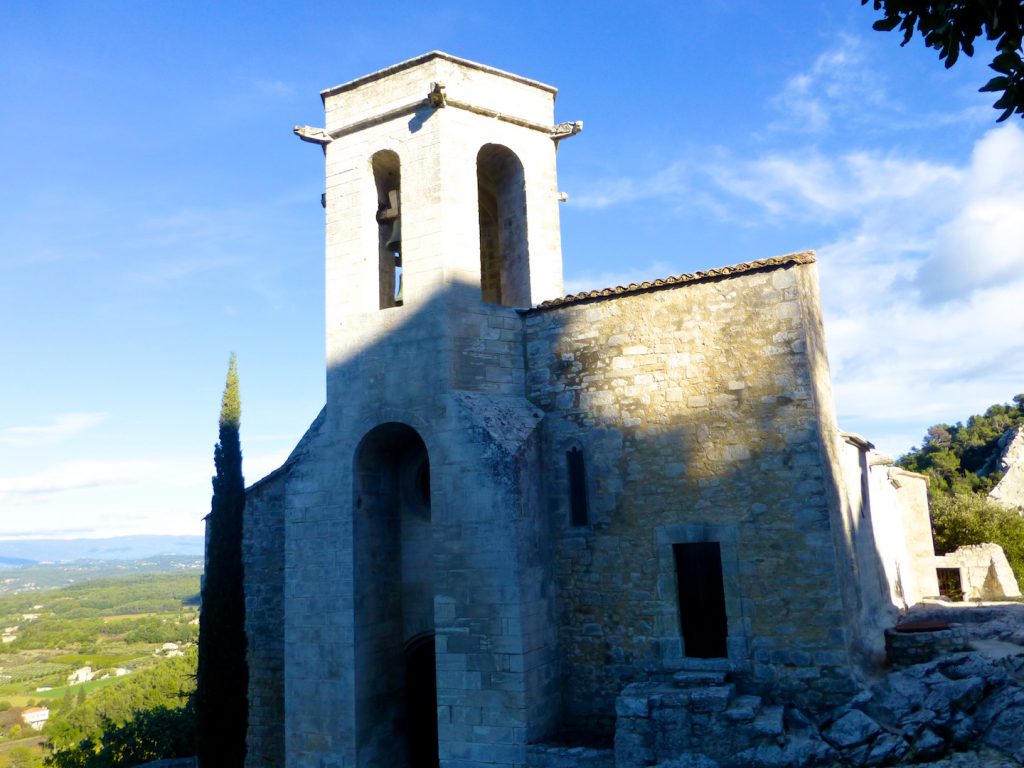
point(419, 623)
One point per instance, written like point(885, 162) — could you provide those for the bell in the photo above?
point(394, 241)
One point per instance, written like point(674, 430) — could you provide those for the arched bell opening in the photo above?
point(394, 598)
point(504, 253)
point(387, 177)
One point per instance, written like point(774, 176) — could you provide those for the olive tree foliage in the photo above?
point(952, 26)
point(223, 676)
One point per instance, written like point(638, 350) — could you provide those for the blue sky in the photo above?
point(156, 213)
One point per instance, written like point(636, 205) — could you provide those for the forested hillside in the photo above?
point(962, 462)
point(963, 458)
point(113, 662)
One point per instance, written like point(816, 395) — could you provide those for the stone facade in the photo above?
point(515, 506)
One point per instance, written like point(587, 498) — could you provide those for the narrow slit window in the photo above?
point(701, 599)
point(578, 507)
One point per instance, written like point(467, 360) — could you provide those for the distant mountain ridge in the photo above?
point(21, 552)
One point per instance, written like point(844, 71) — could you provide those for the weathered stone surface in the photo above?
point(851, 730)
point(801, 752)
point(928, 744)
point(689, 761)
point(1009, 491)
point(550, 756)
point(1005, 730)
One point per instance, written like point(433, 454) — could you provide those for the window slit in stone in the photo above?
point(578, 506)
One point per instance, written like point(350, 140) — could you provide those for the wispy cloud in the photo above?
point(809, 185)
point(667, 183)
point(63, 427)
point(75, 475)
point(839, 83)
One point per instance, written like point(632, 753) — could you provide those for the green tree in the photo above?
point(952, 26)
point(23, 757)
point(972, 519)
point(223, 677)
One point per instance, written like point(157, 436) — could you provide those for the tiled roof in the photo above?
point(804, 257)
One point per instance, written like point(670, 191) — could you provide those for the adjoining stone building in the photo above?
point(514, 504)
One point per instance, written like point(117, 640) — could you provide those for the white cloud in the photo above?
point(922, 303)
point(983, 245)
point(839, 84)
point(63, 427)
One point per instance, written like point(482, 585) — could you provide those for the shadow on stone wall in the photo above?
point(696, 410)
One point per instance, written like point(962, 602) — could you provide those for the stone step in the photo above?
point(769, 721)
point(699, 678)
point(711, 698)
point(744, 709)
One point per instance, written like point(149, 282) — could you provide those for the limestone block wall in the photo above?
point(492, 606)
point(696, 409)
point(263, 558)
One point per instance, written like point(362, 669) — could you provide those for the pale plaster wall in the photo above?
point(888, 517)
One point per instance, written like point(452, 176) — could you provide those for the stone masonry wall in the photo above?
point(263, 557)
point(696, 410)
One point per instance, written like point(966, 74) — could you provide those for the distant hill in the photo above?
point(25, 551)
point(37, 576)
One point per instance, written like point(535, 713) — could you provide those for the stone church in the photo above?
point(516, 503)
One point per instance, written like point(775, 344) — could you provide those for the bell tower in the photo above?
point(418, 508)
point(440, 172)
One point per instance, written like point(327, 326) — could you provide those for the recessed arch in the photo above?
point(392, 548)
point(504, 250)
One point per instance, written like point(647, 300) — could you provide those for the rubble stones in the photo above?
point(917, 714)
point(851, 730)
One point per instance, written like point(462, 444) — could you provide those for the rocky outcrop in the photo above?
point(961, 703)
point(1009, 491)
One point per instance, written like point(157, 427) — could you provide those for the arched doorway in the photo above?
point(396, 699)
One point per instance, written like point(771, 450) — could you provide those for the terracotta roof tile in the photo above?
point(804, 257)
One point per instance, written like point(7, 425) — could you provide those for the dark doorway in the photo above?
point(949, 583)
point(701, 599)
point(421, 702)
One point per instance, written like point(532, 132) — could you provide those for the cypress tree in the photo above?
point(223, 675)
